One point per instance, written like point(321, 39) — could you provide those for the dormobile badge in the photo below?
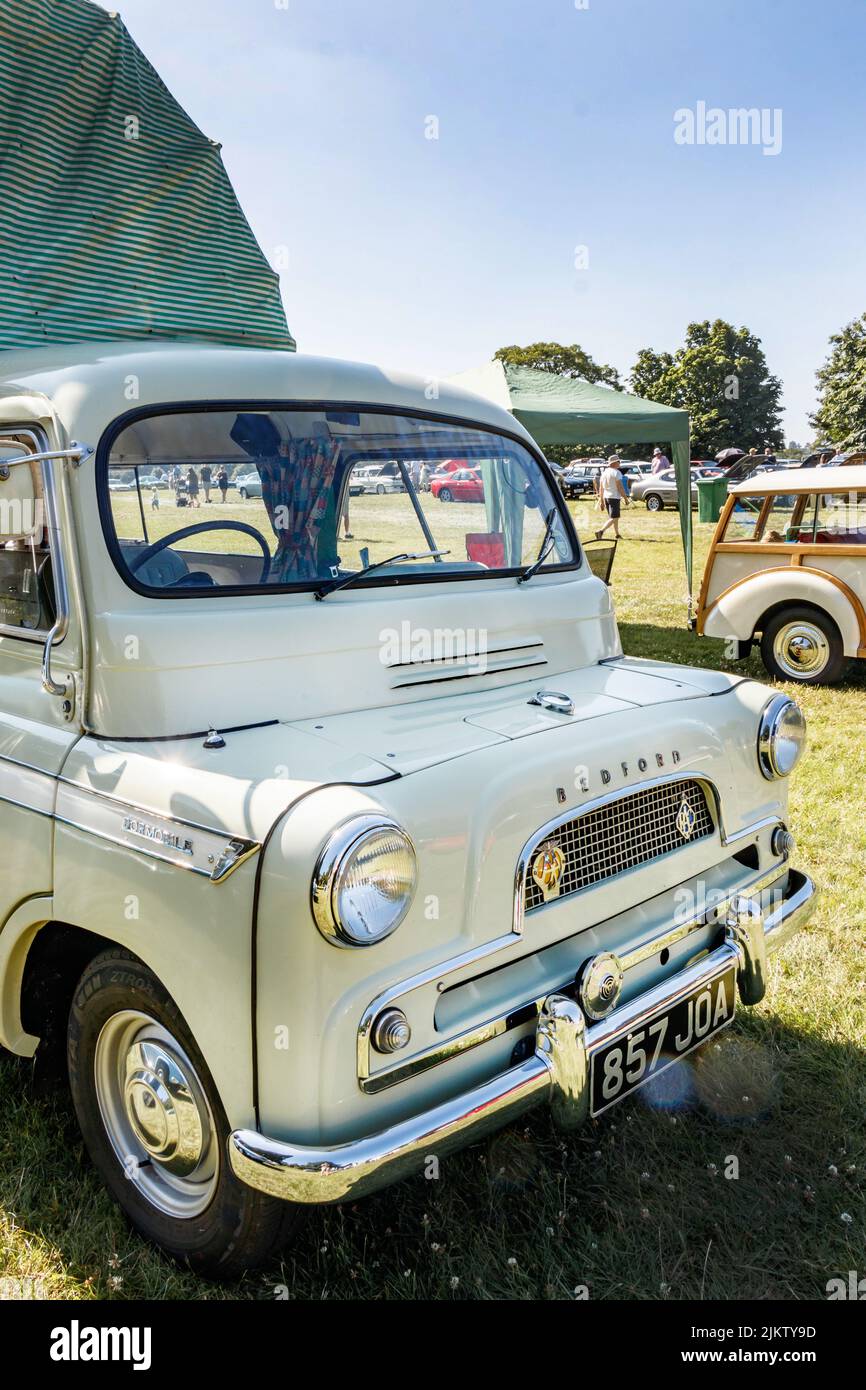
point(155, 833)
point(547, 867)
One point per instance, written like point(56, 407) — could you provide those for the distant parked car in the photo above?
point(579, 479)
point(248, 485)
point(636, 468)
point(659, 490)
point(152, 480)
point(379, 479)
point(464, 485)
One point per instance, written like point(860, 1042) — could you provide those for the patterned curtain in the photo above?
point(296, 489)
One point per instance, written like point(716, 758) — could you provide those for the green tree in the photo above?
point(720, 377)
point(563, 361)
point(841, 413)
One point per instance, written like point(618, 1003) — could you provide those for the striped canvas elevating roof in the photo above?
point(117, 217)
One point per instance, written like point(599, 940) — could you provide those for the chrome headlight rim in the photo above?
point(771, 718)
point(338, 849)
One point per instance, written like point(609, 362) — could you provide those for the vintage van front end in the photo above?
point(341, 829)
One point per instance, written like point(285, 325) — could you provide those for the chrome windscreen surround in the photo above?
point(612, 834)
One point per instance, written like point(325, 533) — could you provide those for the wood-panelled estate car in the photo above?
point(337, 830)
point(787, 565)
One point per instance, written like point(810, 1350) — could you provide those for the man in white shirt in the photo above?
point(660, 462)
point(612, 494)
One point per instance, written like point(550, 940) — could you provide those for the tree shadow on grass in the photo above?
point(742, 1176)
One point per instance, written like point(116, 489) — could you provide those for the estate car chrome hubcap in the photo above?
point(801, 649)
point(156, 1114)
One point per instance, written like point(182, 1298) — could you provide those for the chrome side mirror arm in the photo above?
point(52, 687)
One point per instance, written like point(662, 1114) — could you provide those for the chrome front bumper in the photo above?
point(558, 1070)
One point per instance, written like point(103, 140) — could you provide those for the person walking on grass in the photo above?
point(611, 495)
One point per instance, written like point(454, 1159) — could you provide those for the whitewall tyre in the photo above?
point(804, 645)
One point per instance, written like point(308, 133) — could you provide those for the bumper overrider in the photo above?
point(559, 1071)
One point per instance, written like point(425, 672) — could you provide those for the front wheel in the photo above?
point(243, 494)
point(446, 495)
point(154, 1126)
point(654, 503)
point(804, 645)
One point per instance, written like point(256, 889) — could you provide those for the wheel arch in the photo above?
point(59, 954)
point(770, 613)
point(742, 609)
point(41, 961)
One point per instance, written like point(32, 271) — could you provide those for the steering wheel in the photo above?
point(141, 557)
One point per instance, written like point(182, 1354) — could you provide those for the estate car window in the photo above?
point(744, 520)
point(197, 500)
point(790, 519)
point(840, 519)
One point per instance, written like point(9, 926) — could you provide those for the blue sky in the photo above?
point(556, 131)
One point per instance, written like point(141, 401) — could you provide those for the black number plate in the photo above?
point(623, 1065)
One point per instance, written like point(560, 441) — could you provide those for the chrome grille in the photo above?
point(624, 832)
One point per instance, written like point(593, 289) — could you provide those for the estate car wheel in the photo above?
point(446, 495)
point(243, 494)
point(153, 1124)
point(804, 645)
point(380, 489)
point(654, 503)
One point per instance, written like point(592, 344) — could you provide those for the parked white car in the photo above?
point(316, 867)
point(378, 480)
point(787, 565)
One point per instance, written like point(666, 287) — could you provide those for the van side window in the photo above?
point(26, 584)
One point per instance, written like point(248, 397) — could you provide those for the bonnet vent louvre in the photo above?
point(467, 665)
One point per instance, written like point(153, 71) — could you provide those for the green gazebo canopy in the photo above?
point(565, 410)
point(118, 218)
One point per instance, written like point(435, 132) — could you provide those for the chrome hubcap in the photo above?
point(801, 649)
point(161, 1107)
point(156, 1114)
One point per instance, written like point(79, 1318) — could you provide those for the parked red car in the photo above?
point(463, 485)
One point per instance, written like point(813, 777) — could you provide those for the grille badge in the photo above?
point(614, 834)
point(547, 869)
point(686, 819)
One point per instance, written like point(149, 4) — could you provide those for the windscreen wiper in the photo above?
point(368, 569)
point(546, 547)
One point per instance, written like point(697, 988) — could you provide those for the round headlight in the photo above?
point(781, 737)
point(364, 882)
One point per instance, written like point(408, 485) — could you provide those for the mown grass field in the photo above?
point(636, 1206)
